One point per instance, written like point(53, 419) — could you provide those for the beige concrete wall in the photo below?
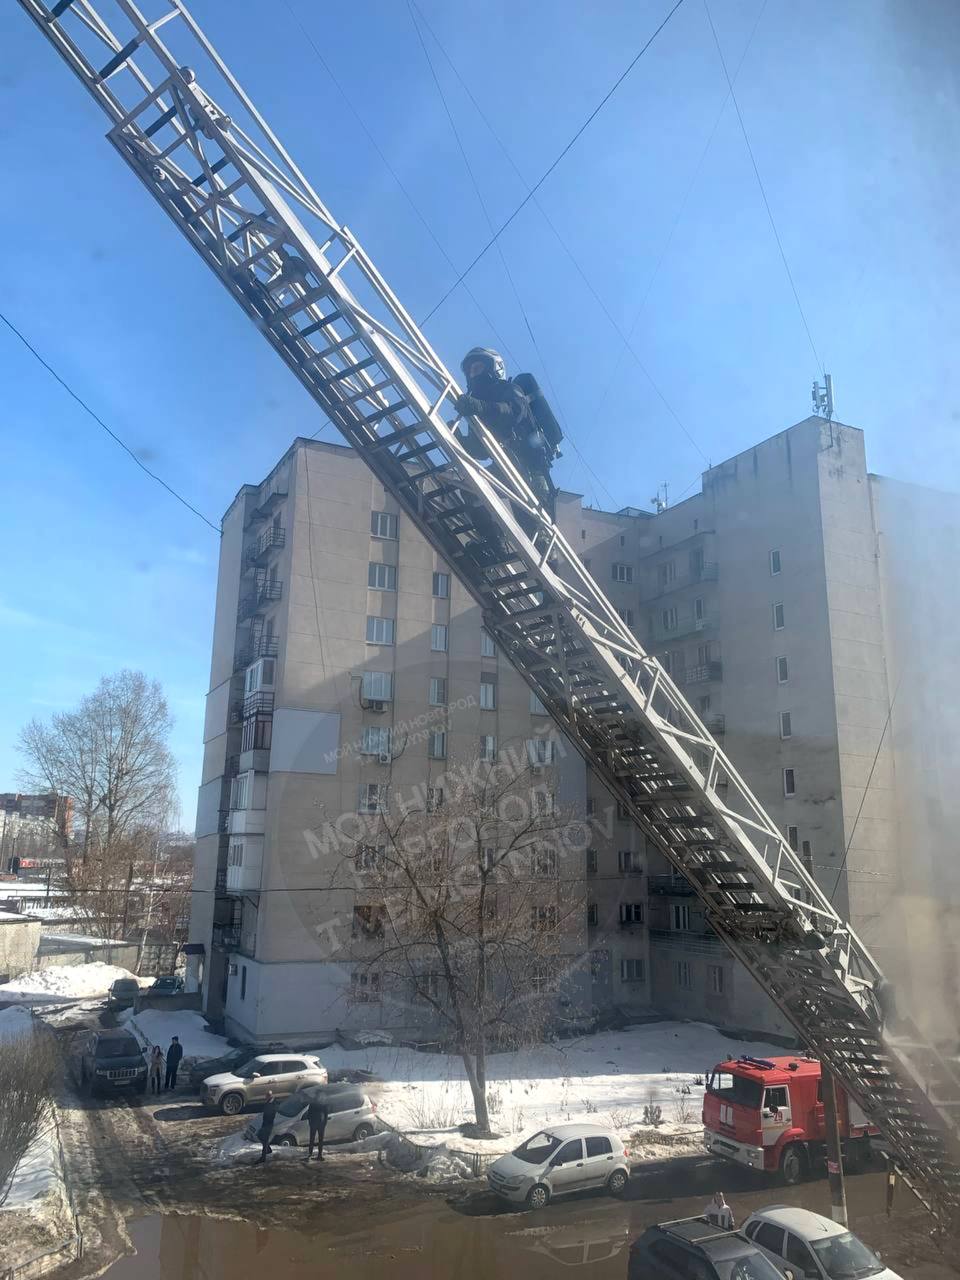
point(19, 940)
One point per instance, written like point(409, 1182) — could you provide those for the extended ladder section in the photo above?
point(199, 146)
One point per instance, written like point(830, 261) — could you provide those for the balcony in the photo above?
point(272, 539)
point(243, 879)
point(223, 820)
point(261, 647)
point(257, 704)
point(685, 940)
point(226, 937)
point(716, 724)
point(701, 675)
point(660, 634)
point(247, 822)
point(255, 601)
point(670, 884)
point(706, 573)
point(268, 503)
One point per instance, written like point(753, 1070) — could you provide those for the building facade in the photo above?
point(781, 598)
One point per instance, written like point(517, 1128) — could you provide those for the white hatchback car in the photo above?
point(278, 1073)
point(814, 1247)
point(558, 1161)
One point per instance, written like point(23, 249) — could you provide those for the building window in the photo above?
point(599, 965)
point(806, 853)
point(703, 704)
point(583, 535)
point(545, 862)
point(679, 916)
point(541, 751)
point(239, 791)
point(632, 969)
point(666, 573)
point(591, 862)
point(383, 524)
point(438, 691)
point(365, 986)
point(488, 747)
point(626, 615)
point(591, 806)
point(668, 618)
point(543, 917)
point(786, 726)
point(441, 585)
point(593, 914)
point(257, 733)
point(377, 686)
point(698, 609)
point(381, 577)
point(789, 783)
point(373, 798)
point(437, 745)
point(438, 638)
point(622, 572)
point(783, 671)
point(380, 630)
point(715, 979)
point(260, 676)
point(683, 974)
point(793, 838)
point(488, 694)
point(623, 540)
point(629, 860)
point(488, 648)
point(368, 921)
point(488, 858)
point(235, 857)
point(778, 617)
point(696, 559)
point(434, 799)
point(623, 813)
point(536, 706)
point(774, 563)
point(375, 742)
point(368, 857)
point(631, 913)
point(243, 982)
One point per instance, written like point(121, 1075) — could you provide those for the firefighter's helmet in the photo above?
point(491, 360)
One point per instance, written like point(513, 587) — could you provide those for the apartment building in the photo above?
point(787, 599)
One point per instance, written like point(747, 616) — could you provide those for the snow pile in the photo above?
point(602, 1079)
point(15, 1022)
point(367, 1038)
point(434, 1164)
point(63, 982)
point(154, 1026)
point(38, 1175)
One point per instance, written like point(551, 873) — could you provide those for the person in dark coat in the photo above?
point(156, 1068)
point(265, 1132)
point(318, 1113)
point(516, 412)
point(174, 1054)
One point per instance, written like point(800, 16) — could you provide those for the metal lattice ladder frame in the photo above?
point(189, 132)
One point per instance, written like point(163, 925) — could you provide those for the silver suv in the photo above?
point(352, 1117)
point(278, 1073)
point(559, 1160)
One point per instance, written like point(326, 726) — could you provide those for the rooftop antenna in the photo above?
point(661, 499)
point(823, 398)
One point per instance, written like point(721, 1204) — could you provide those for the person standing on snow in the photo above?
point(174, 1054)
point(719, 1213)
point(318, 1113)
point(515, 411)
point(265, 1132)
point(156, 1068)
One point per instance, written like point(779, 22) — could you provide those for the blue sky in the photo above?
point(853, 112)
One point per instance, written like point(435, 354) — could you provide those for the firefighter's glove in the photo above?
point(468, 405)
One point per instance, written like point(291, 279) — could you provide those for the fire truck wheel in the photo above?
point(793, 1164)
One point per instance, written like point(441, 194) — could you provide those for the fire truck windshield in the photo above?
point(736, 1089)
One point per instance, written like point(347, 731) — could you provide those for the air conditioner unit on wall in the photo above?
point(232, 970)
point(700, 623)
point(385, 757)
point(374, 704)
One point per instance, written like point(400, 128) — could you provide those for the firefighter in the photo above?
point(516, 412)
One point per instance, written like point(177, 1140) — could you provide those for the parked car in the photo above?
point(696, 1247)
point(558, 1161)
point(352, 1116)
point(123, 993)
point(229, 1062)
point(278, 1073)
point(107, 1060)
point(814, 1246)
point(168, 984)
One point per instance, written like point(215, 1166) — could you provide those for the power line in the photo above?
point(625, 339)
point(100, 422)
point(763, 193)
point(547, 172)
point(506, 266)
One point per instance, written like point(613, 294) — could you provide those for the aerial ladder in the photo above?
point(187, 129)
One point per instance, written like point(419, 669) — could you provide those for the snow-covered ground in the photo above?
point(154, 1026)
point(15, 1022)
point(64, 982)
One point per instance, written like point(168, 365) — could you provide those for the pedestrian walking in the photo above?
point(156, 1069)
point(174, 1054)
point(318, 1113)
point(719, 1213)
point(265, 1132)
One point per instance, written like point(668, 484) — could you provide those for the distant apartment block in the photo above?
point(33, 827)
point(788, 600)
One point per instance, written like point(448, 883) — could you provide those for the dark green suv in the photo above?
point(109, 1060)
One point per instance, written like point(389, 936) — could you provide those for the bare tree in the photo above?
point(29, 1068)
point(111, 756)
point(466, 899)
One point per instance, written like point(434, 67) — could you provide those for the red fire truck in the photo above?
point(767, 1114)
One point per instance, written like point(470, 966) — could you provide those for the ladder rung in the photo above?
point(217, 165)
point(118, 59)
point(322, 324)
point(158, 124)
point(404, 433)
point(409, 454)
point(369, 420)
point(351, 369)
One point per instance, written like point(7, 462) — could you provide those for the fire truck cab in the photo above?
point(767, 1114)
